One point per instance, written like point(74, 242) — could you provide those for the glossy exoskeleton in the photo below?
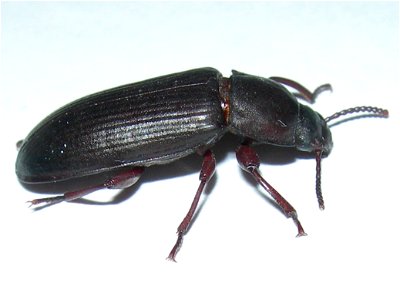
point(128, 128)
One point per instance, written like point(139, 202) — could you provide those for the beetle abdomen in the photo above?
point(141, 124)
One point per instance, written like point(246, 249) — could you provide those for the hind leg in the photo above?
point(120, 181)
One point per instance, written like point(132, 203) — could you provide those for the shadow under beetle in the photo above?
point(128, 128)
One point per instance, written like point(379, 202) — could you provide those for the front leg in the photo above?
point(301, 91)
point(249, 161)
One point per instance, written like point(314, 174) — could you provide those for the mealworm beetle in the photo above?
point(122, 131)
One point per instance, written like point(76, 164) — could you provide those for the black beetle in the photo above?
point(128, 128)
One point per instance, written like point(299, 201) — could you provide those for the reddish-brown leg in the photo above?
point(120, 181)
point(249, 161)
point(303, 92)
point(207, 171)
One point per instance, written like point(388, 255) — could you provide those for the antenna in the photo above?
point(373, 111)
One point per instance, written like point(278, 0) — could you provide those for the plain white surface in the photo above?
point(240, 245)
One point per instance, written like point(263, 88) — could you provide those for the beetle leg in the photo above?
point(249, 162)
point(119, 181)
point(303, 92)
point(207, 171)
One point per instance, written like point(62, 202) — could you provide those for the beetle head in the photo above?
point(312, 132)
point(313, 135)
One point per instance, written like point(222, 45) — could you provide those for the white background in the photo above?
point(240, 245)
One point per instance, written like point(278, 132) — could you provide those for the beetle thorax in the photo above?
point(262, 110)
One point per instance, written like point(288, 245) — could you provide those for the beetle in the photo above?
point(121, 131)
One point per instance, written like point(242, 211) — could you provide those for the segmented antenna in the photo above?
point(318, 156)
point(374, 111)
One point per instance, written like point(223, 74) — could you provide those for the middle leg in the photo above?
point(207, 171)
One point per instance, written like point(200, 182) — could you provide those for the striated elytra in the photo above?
point(123, 130)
